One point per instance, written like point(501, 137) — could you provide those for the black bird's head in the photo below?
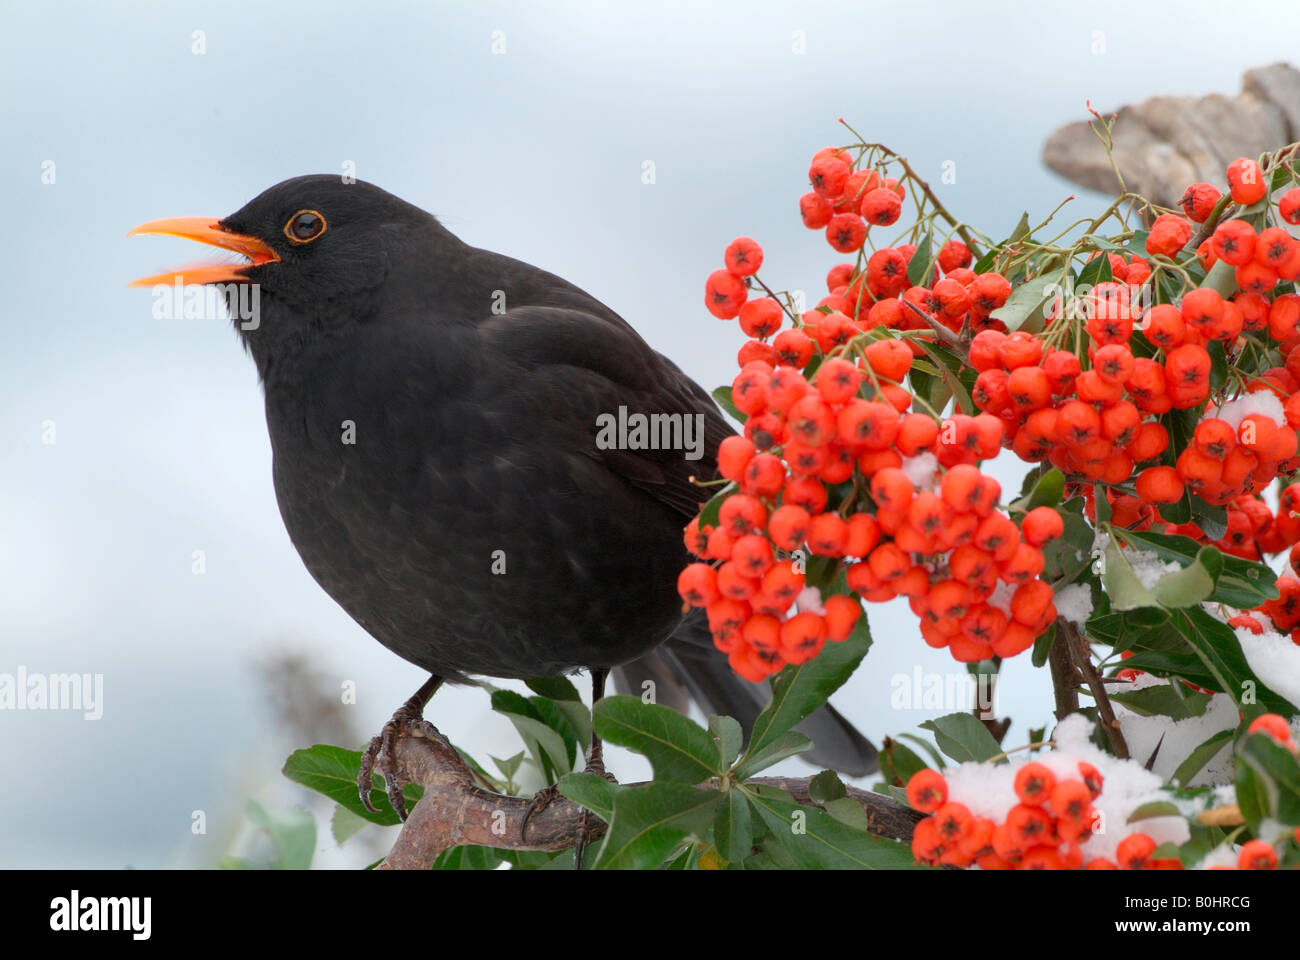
point(315, 248)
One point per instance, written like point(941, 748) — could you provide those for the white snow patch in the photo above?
point(1221, 856)
point(921, 470)
point(810, 601)
point(1001, 597)
point(1149, 568)
point(1275, 659)
point(1264, 402)
point(988, 790)
point(1074, 603)
point(1178, 738)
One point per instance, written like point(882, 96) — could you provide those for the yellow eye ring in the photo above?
point(304, 226)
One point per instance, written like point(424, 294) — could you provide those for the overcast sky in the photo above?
point(537, 150)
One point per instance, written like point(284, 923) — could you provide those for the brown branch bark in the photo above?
point(455, 811)
point(1081, 655)
point(1065, 678)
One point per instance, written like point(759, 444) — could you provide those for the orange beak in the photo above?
point(206, 230)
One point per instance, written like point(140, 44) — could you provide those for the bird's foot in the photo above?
point(378, 756)
point(545, 796)
point(595, 765)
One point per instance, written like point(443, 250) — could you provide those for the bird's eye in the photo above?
point(304, 226)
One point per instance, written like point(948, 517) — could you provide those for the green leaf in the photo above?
point(332, 771)
point(1241, 583)
point(1165, 700)
point(1155, 808)
point(927, 746)
point(729, 737)
point(789, 744)
point(918, 268)
point(548, 747)
point(1122, 585)
point(1225, 666)
point(1198, 758)
point(985, 263)
point(733, 829)
point(648, 822)
point(1043, 646)
point(709, 512)
point(1101, 504)
point(1024, 308)
point(554, 688)
point(1218, 366)
point(850, 813)
point(1222, 278)
point(592, 791)
point(1268, 781)
point(509, 767)
point(1019, 231)
point(292, 831)
point(468, 857)
point(825, 787)
point(825, 842)
point(1069, 555)
point(566, 718)
point(951, 380)
point(799, 690)
point(1046, 492)
point(676, 747)
point(344, 824)
point(1191, 585)
point(722, 396)
point(1095, 271)
point(1209, 517)
point(961, 737)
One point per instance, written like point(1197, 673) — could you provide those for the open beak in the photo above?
point(209, 231)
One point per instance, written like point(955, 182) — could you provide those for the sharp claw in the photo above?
point(581, 844)
point(541, 800)
point(364, 783)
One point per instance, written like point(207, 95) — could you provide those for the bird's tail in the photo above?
point(689, 668)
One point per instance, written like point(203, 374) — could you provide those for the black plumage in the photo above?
point(433, 414)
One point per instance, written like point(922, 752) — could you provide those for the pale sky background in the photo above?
point(161, 442)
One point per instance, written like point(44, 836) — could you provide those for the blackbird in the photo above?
point(439, 420)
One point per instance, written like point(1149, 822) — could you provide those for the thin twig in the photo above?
point(1081, 655)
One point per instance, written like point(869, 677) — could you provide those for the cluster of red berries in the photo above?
point(825, 405)
point(1100, 424)
point(1044, 831)
point(1047, 828)
point(928, 529)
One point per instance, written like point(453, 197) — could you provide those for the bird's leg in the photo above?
point(595, 764)
point(407, 721)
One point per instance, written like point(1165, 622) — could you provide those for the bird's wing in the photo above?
point(589, 367)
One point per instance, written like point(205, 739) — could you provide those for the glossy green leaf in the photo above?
point(813, 839)
point(789, 744)
point(962, 737)
point(592, 791)
point(1198, 758)
point(332, 771)
point(648, 822)
point(677, 747)
point(729, 737)
point(733, 828)
point(800, 689)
